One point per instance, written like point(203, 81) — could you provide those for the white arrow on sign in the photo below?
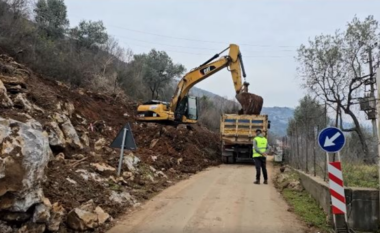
point(330, 141)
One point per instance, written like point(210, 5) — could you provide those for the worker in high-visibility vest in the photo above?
point(260, 147)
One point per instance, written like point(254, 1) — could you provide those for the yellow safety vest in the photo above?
point(261, 143)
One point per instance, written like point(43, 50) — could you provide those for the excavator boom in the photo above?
point(251, 103)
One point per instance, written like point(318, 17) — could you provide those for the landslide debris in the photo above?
point(57, 171)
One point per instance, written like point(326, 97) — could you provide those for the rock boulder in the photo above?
point(56, 216)
point(23, 159)
point(56, 136)
point(5, 101)
point(86, 217)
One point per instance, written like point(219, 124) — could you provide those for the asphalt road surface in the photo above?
point(219, 200)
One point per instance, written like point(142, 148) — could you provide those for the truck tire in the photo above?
point(225, 159)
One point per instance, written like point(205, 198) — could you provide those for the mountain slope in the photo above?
point(279, 116)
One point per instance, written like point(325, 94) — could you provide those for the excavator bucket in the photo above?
point(251, 104)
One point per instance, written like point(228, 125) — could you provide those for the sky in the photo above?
point(268, 33)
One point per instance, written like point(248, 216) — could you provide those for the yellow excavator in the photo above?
point(183, 108)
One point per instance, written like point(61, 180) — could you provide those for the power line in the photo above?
point(177, 46)
point(187, 47)
point(205, 41)
point(197, 40)
point(144, 46)
point(199, 54)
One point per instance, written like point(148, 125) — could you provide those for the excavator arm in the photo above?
point(206, 70)
point(235, 64)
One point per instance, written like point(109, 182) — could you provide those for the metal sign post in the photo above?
point(124, 140)
point(122, 151)
point(332, 140)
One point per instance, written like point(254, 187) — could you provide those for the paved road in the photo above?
point(219, 200)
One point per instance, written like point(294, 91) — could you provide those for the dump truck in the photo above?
point(237, 132)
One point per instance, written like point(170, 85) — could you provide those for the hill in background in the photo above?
point(279, 116)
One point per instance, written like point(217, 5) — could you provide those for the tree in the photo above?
point(12, 21)
point(19, 8)
point(333, 68)
point(89, 33)
point(158, 70)
point(309, 116)
point(51, 17)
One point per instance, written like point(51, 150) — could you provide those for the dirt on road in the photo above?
point(220, 199)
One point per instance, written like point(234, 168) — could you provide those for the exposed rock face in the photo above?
point(102, 216)
point(101, 167)
point(23, 159)
point(85, 140)
point(5, 101)
point(68, 130)
point(72, 137)
point(69, 109)
point(56, 136)
point(123, 197)
point(56, 216)
point(41, 214)
point(22, 102)
point(14, 84)
point(100, 144)
point(131, 161)
point(87, 216)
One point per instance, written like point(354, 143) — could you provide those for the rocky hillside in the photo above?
point(57, 171)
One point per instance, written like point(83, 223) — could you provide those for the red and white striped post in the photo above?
point(338, 198)
point(332, 140)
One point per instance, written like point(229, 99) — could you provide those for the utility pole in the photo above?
point(377, 120)
point(372, 83)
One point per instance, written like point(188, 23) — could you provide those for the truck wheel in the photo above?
point(225, 159)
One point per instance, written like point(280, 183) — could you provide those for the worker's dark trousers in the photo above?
point(261, 163)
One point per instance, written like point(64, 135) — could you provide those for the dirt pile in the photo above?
point(81, 191)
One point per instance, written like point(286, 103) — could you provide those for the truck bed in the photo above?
point(237, 133)
point(241, 128)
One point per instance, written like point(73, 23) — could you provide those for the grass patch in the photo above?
point(114, 187)
point(360, 175)
point(301, 202)
point(307, 208)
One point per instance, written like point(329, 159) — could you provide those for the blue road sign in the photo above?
point(331, 139)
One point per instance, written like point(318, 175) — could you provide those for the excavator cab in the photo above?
point(187, 110)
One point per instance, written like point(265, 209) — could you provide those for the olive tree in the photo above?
point(158, 70)
point(89, 33)
point(333, 67)
point(51, 17)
